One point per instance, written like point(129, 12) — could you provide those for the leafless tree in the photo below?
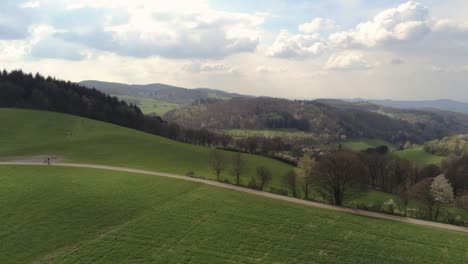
point(217, 162)
point(238, 166)
point(421, 191)
point(265, 176)
point(290, 179)
point(338, 172)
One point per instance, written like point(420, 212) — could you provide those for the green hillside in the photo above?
point(72, 215)
point(363, 144)
point(149, 105)
point(27, 132)
point(420, 156)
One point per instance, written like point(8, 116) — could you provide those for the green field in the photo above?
point(71, 215)
point(420, 156)
point(149, 105)
point(363, 144)
point(27, 132)
point(292, 134)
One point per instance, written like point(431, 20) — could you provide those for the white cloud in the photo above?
point(407, 22)
point(208, 34)
point(265, 69)
point(349, 61)
point(197, 67)
point(30, 4)
point(317, 25)
point(397, 61)
point(297, 46)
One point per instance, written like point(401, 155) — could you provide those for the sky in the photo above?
point(296, 49)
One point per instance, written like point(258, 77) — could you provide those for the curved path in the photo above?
point(259, 193)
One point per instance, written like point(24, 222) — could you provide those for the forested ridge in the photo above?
point(25, 90)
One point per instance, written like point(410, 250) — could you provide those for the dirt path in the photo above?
point(259, 193)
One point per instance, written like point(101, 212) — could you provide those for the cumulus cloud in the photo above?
point(287, 45)
point(317, 25)
point(349, 61)
point(407, 28)
point(207, 35)
point(407, 22)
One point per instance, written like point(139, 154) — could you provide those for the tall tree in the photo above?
point(307, 170)
point(265, 176)
point(238, 166)
point(456, 170)
point(217, 162)
point(422, 192)
point(290, 179)
point(442, 193)
point(338, 171)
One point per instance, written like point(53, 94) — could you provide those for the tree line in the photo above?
point(334, 176)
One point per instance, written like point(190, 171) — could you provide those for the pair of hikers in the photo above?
point(47, 161)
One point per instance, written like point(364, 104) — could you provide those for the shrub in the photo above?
point(389, 206)
point(226, 181)
point(279, 191)
point(253, 184)
point(190, 173)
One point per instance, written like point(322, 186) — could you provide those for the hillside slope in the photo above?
point(444, 104)
point(158, 91)
point(63, 215)
point(27, 132)
point(333, 118)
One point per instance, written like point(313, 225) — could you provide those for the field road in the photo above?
point(256, 192)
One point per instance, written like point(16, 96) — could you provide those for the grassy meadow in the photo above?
point(75, 215)
point(420, 156)
point(76, 139)
point(363, 144)
point(269, 133)
point(149, 105)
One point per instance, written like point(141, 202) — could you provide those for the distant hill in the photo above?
point(327, 118)
point(158, 91)
point(445, 104)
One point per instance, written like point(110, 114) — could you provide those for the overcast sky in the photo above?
point(295, 49)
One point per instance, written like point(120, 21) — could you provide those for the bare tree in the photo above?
point(238, 166)
point(456, 170)
point(422, 192)
point(375, 164)
point(307, 170)
point(265, 176)
point(217, 162)
point(338, 172)
point(290, 179)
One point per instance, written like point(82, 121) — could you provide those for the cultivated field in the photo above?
point(72, 215)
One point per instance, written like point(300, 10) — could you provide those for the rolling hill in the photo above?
point(158, 91)
point(28, 132)
point(74, 215)
point(444, 104)
point(333, 118)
